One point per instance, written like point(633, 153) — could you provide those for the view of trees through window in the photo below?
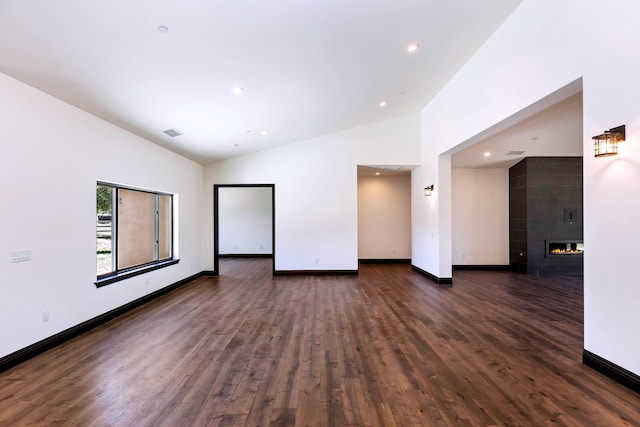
point(104, 229)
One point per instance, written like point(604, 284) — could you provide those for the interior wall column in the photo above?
point(443, 193)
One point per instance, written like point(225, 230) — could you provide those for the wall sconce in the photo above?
point(428, 190)
point(607, 143)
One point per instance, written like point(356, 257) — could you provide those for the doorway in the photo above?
point(243, 213)
point(384, 213)
point(548, 142)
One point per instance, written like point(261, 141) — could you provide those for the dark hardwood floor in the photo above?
point(385, 348)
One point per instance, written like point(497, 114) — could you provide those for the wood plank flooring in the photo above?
point(385, 348)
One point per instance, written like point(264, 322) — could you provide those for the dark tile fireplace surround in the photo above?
point(545, 216)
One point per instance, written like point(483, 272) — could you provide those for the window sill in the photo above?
point(134, 272)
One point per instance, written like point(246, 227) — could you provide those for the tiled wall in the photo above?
point(545, 203)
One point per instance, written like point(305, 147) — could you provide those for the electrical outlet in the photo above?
point(45, 316)
point(317, 260)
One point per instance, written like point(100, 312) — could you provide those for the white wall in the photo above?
point(480, 216)
point(244, 217)
point(542, 47)
point(52, 155)
point(384, 217)
point(316, 199)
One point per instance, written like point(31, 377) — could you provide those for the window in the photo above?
point(134, 231)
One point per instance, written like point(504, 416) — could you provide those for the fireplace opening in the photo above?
point(564, 247)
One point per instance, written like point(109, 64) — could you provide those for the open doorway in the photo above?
point(500, 217)
point(384, 213)
point(243, 221)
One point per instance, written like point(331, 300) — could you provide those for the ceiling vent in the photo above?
point(515, 153)
point(173, 132)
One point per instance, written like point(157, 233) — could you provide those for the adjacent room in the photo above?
point(493, 224)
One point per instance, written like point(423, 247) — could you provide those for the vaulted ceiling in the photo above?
point(304, 68)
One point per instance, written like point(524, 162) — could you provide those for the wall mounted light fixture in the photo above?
point(607, 143)
point(428, 190)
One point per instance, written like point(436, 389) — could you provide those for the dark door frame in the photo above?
point(216, 218)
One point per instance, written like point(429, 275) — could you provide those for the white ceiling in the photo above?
point(385, 170)
point(307, 67)
point(554, 131)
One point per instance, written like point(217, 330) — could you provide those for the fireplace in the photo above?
point(545, 216)
point(561, 248)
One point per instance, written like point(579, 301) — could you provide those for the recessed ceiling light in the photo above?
point(487, 154)
point(413, 47)
point(382, 104)
point(237, 90)
point(264, 133)
point(162, 29)
point(377, 173)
